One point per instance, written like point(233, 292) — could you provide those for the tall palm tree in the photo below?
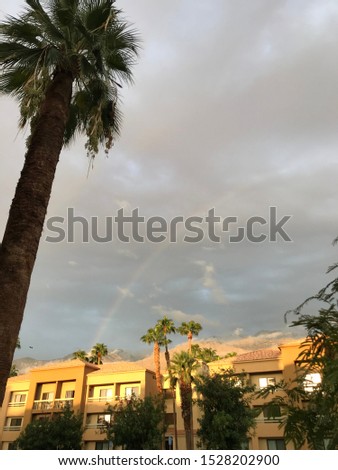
point(190, 329)
point(98, 352)
point(167, 326)
point(64, 63)
point(155, 336)
point(183, 364)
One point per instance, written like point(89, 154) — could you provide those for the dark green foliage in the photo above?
point(319, 353)
point(14, 371)
point(62, 432)
point(226, 415)
point(311, 416)
point(204, 354)
point(137, 424)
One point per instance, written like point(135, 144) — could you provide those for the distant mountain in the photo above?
point(24, 364)
point(239, 345)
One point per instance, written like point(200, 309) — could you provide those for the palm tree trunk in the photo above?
point(172, 387)
point(157, 361)
point(186, 405)
point(189, 340)
point(27, 215)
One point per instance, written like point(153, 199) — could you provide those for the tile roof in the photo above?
point(119, 366)
point(65, 364)
point(259, 355)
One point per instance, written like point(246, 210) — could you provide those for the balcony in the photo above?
point(52, 405)
point(12, 428)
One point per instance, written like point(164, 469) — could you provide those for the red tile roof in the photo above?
point(259, 355)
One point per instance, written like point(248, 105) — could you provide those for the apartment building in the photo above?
point(263, 368)
point(89, 388)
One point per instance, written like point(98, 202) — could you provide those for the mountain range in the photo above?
point(239, 345)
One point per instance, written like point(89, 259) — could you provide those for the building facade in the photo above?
point(89, 389)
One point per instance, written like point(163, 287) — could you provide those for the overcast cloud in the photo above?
point(234, 107)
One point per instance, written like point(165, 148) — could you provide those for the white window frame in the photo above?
point(132, 391)
point(265, 382)
point(311, 381)
point(106, 393)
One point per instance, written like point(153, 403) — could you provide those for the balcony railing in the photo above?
point(95, 426)
point(100, 399)
point(49, 405)
point(12, 428)
point(16, 404)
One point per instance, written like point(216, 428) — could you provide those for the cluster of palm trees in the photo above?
point(98, 351)
point(180, 368)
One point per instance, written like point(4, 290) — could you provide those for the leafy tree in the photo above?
point(136, 424)
point(226, 414)
point(64, 62)
point(14, 371)
point(155, 336)
point(61, 432)
point(189, 329)
point(182, 367)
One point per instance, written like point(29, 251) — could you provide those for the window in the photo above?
point(70, 394)
point(132, 391)
point(169, 419)
point(106, 393)
point(104, 418)
point(275, 444)
point(266, 382)
point(272, 413)
point(169, 443)
point(168, 393)
point(311, 381)
point(13, 424)
point(17, 399)
point(16, 422)
point(103, 445)
point(47, 396)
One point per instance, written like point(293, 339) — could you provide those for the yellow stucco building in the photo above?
point(88, 388)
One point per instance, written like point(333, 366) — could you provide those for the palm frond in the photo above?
point(22, 30)
point(40, 18)
point(84, 38)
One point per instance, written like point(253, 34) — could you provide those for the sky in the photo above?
point(234, 110)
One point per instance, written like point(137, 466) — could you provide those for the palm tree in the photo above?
point(189, 329)
point(167, 326)
point(97, 353)
point(204, 354)
point(155, 336)
point(64, 63)
point(80, 354)
point(183, 364)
